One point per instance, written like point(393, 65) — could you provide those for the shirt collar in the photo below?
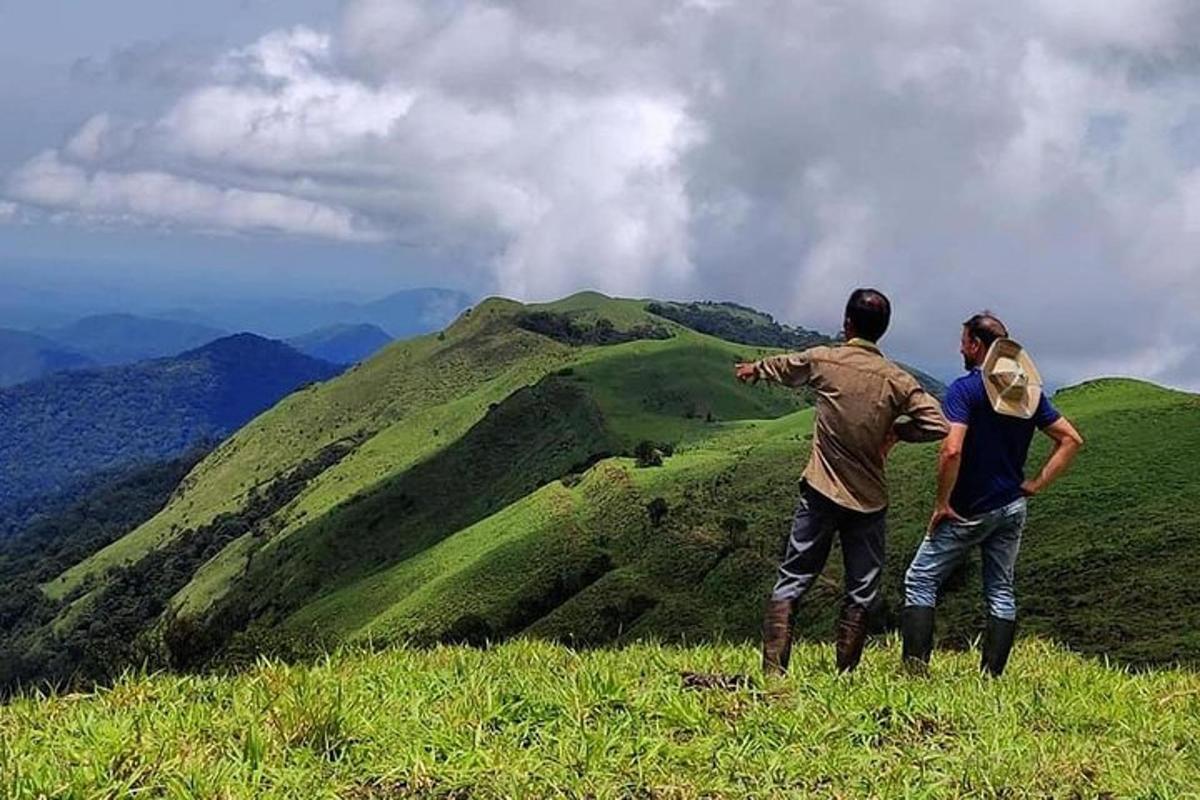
point(860, 342)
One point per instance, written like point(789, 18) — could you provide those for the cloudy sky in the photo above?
point(1037, 157)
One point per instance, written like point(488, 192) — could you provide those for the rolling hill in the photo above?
point(57, 431)
point(27, 356)
point(114, 339)
point(494, 480)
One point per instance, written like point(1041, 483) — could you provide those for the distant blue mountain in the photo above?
point(342, 344)
point(27, 356)
point(414, 312)
point(57, 431)
point(111, 339)
point(403, 314)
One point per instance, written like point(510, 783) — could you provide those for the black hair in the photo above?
point(869, 312)
point(986, 327)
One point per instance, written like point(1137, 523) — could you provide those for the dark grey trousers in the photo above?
point(862, 536)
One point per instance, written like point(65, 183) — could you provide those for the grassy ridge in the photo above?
point(420, 380)
point(527, 719)
point(534, 436)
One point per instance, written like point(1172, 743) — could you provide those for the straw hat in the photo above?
point(1012, 381)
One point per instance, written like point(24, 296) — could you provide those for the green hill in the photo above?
point(534, 720)
point(493, 480)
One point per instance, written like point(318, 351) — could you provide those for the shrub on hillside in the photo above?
point(562, 328)
point(657, 509)
point(735, 323)
point(648, 454)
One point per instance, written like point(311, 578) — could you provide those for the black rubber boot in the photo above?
point(997, 644)
point(916, 630)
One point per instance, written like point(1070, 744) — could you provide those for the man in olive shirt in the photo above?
point(865, 404)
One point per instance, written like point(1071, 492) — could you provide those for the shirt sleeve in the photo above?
point(957, 405)
point(790, 369)
point(923, 420)
point(1046, 414)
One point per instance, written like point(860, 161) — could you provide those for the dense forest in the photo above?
point(57, 432)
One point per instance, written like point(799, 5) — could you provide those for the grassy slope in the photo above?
point(426, 407)
point(397, 540)
point(398, 398)
point(528, 719)
point(701, 574)
point(530, 439)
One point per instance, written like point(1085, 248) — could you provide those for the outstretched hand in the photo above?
point(746, 372)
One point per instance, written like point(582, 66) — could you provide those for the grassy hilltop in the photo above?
point(535, 720)
point(483, 483)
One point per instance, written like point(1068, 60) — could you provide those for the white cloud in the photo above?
point(1025, 157)
point(158, 197)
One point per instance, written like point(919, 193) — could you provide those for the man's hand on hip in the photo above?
point(942, 514)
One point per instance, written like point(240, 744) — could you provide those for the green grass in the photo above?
point(529, 719)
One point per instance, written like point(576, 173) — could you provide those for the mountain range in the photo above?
point(112, 339)
point(58, 431)
point(336, 331)
point(401, 314)
point(342, 344)
point(25, 356)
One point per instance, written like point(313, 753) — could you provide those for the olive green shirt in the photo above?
point(861, 396)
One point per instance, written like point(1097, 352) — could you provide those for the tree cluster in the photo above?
point(565, 329)
point(735, 323)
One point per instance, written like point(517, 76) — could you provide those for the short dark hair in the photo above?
point(986, 327)
point(869, 312)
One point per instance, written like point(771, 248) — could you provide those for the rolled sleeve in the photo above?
point(923, 420)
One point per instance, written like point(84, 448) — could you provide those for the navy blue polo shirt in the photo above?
point(995, 449)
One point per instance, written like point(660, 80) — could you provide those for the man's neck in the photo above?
point(858, 341)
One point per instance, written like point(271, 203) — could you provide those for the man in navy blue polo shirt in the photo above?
point(993, 412)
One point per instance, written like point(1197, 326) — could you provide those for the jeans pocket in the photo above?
point(1017, 509)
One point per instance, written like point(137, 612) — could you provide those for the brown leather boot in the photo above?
point(851, 636)
point(777, 636)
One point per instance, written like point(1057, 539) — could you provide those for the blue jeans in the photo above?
point(998, 534)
